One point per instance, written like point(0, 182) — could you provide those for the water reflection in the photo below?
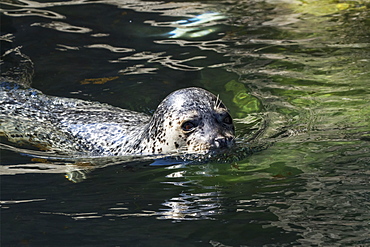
point(331, 210)
point(63, 27)
point(190, 206)
point(196, 27)
point(162, 59)
point(110, 48)
point(33, 12)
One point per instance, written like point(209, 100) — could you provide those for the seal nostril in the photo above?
point(221, 142)
point(230, 139)
point(224, 142)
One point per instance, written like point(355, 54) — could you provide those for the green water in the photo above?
point(295, 75)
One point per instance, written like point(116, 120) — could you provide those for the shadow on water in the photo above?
point(298, 70)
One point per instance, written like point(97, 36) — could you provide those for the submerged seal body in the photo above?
point(190, 120)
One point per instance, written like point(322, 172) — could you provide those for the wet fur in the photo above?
point(66, 125)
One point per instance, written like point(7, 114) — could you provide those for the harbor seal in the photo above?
point(190, 120)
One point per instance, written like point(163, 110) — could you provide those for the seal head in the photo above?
point(190, 120)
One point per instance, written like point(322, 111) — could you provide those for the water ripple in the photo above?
point(191, 207)
point(110, 48)
point(63, 27)
point(137, 70)
point(164, 60)
point(34, 12)
point(211, 45)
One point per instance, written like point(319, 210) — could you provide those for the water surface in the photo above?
point(297, 70)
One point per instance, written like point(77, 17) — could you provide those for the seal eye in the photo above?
point(188, 126)
point(228, 119)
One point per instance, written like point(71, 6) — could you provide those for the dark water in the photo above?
point(299, 69)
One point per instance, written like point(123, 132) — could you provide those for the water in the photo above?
point(298, 71)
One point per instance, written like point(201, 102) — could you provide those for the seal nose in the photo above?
point(224, 142)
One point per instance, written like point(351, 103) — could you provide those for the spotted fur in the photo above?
point(67, 125)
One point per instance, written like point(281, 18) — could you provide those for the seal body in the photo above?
point(190, 120)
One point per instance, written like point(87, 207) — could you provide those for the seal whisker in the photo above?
point(218, 101)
